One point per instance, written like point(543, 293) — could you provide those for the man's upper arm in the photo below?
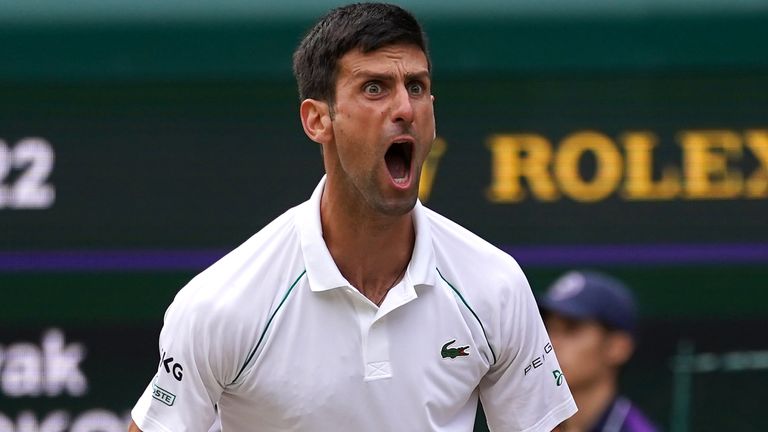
point(190, 376)
point(525, 390)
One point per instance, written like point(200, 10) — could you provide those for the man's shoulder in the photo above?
point(248, 278)
point(455, 242)
point(472, 265)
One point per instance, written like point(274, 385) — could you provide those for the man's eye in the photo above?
point(416, 88)
point(372, 88)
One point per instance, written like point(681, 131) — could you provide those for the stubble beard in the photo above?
point(398, 206)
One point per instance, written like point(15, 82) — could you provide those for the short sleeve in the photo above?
point(525, 390)
point(182, 395)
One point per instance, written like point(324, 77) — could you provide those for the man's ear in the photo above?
point(316, 120)
point(620, 347)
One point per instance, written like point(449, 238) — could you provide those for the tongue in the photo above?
point(396, 165)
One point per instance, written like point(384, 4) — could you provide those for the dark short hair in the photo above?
point(364, 26)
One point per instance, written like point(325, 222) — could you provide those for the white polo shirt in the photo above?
point(279, 340)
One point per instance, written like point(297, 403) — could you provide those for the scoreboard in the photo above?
point(650, 159)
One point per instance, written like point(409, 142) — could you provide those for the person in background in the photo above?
point(591, 320)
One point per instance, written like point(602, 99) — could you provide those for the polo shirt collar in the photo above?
point(322, 271)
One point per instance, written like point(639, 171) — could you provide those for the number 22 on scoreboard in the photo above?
point(32, 160)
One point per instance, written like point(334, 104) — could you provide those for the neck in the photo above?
point(371, 250)
point(592, 402)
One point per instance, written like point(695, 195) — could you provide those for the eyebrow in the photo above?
point(422, 75)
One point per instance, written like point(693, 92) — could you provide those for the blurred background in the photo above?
point(142, 140)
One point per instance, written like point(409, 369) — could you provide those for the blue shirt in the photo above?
point(623, 416)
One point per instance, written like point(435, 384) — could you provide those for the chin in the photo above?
point(396, 207)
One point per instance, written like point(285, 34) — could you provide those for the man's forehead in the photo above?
point(406, 58)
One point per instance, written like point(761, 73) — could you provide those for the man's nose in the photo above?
point(402, 106)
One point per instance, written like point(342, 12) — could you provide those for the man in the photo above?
point(591, 319)
point(358, 310)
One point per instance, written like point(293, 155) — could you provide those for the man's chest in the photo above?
point(328, 350)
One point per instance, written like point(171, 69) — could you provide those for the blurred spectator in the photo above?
point(591, 319)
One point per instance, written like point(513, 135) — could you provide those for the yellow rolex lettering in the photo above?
point(639, 183)
point(608, 170)
point(757, 184)
point(429, 169)
point(705, 163)
point(516, 156)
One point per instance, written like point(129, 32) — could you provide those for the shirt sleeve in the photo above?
point(189, 382)
point(525, 389)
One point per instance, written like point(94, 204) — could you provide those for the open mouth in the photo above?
point(398, 159)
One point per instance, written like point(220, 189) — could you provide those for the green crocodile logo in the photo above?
point(454, 352)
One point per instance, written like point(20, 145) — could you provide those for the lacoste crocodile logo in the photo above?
point(454, 352)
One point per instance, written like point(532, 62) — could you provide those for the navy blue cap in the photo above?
point(583, 294)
